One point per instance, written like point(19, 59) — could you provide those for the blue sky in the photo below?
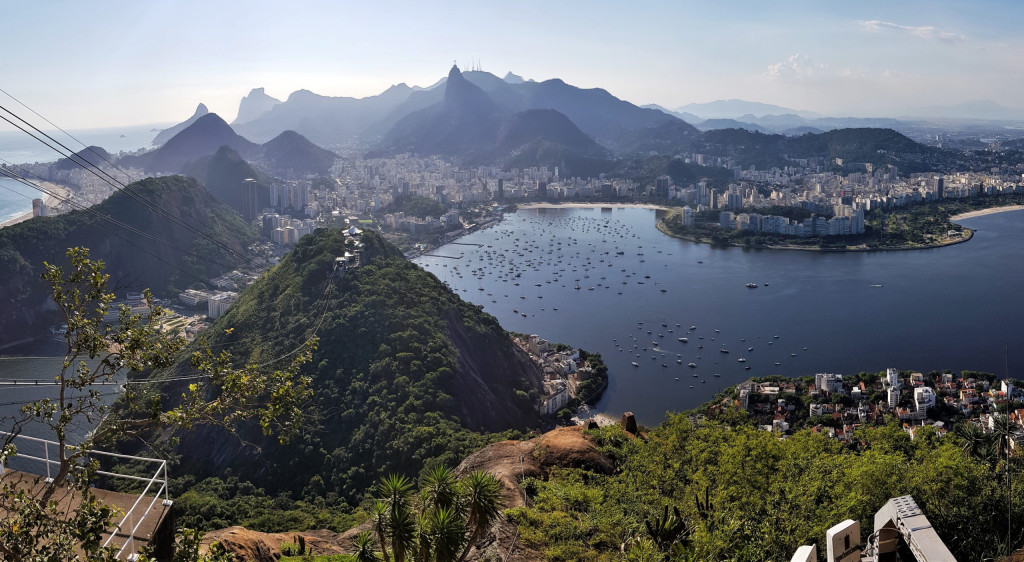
point(109, 63)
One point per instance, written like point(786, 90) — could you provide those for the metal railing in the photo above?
point(131, 518)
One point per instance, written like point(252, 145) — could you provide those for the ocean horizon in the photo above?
point(17, 147)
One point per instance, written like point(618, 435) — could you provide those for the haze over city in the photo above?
point(154, 62)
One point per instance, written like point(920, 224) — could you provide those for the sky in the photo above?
point(112, 63)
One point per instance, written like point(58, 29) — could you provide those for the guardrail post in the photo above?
point(46, 451)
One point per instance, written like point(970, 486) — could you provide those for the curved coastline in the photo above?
point(672, 211)
point(48, 200)
point(983, 212)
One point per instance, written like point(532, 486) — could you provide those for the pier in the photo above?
point(443, 256)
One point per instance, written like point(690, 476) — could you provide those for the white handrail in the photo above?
point(134, 505)
point(134, 520)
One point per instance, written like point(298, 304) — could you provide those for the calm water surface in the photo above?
point(947, 308)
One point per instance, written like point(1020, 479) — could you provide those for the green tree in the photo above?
point(38, 526)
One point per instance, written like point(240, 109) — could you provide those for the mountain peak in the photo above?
point(166, 134)
point(255, 105)
point(513, 78)
point(459, 92)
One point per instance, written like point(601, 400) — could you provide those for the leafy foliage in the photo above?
point(744, 494)
point(59, 518)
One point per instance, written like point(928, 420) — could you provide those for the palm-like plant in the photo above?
point(395, 489)
point(365, 549)
point(481, 493)
point(438, 488)
point(667, 529)
point(447, 532)
point(381, 521)
point(974, 441)
point(402, 532)
point(453, 515)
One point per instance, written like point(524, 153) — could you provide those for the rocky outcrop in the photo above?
point(512, 462)
point(254, 546)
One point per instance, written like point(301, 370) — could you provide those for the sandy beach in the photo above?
point(983, 212)
point(48, 200)
point(590, 205)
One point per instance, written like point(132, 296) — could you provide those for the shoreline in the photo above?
point(984, 212)
point(849, 249)
point(672, 211)
point(594, 206)
point(48, 200)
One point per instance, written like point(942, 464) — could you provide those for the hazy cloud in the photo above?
point(797, 66)
point(921, 32)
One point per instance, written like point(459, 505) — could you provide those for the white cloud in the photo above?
point(921, 32)
point(795, 67)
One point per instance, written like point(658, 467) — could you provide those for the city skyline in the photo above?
point(138, 63)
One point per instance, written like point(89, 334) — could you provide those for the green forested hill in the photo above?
point(748, 495)
point(878, 147)
point(134, 262)
point(406, 372)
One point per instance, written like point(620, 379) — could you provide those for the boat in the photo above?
point(750, 349)
point(692, 365)
point(693, 327)
point(751, 285)
point(664, 291)
point(718, 374)
point(724, 350)
point(741, 360)
point(683, 340)
point(635, 364)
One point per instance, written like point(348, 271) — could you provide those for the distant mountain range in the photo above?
point(287, 154)
point(472, 123)
point(342, 120)
point(512, 122)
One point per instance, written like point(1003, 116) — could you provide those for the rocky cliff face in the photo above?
point(254, 106)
